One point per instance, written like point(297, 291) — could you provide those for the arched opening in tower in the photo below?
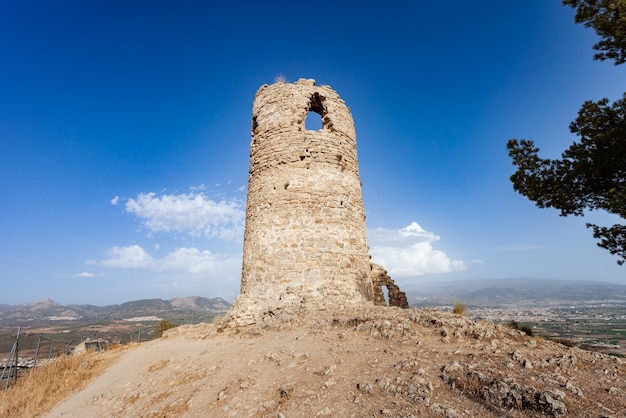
point(315, 117)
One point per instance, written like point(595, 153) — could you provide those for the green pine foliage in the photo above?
point(608, 19)
point(591, 175)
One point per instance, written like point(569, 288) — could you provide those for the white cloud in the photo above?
point(191, 213)
point(410, 234)
point(409, 252)
point(115, 200)
point(85, 275)
point(192, 260)
point(188, 260)
point(131, 257)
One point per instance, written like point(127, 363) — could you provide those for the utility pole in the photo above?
point(17, 343)
point(37, 350)
point(50, 353)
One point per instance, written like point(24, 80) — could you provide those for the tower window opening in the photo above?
point(386, 294)
point(313, 121)
point(316, 113)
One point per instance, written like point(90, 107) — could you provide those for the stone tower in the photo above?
point(305, 242)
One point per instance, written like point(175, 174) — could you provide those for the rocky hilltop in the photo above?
point(360, 361)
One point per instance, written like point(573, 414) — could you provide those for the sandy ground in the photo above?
point(372, 362)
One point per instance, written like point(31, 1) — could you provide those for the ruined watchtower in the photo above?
point(305, 240)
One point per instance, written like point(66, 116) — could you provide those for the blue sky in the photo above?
point(125, 131)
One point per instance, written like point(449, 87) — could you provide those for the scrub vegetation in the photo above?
point(44, 386)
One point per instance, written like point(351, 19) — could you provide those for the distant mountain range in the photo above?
point(514, 291)
point(495, 292)
point(48, 310)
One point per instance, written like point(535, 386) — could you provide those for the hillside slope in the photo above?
point(371, 361)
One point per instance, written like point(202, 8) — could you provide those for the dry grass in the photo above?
point(564, 341)
point(526, 329)
point(280, 78)
point(175, 409)
point(158, 365)
point(460, 308)
point(186, 378)
point(45, 386)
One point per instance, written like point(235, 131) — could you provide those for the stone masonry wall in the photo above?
point(381, 278)
point(305, 241)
